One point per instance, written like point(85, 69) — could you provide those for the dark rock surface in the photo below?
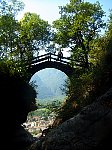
point(20, 139)
point(17, 99)
point(89, 130)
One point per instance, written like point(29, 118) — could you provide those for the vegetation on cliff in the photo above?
point(79, 30)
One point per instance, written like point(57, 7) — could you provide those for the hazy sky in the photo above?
point(49, 9)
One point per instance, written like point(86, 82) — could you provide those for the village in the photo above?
point(36, 125)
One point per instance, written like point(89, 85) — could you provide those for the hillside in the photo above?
point(50, 83)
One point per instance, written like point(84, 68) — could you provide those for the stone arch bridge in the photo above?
point(51, 60)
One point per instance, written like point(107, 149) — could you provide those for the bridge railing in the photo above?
point(50, 57)
point(54, 58)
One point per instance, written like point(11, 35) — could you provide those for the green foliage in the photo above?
point(43, 113)
point(86, 85)
point(78, 26)
point(46, 110)
point(79, 30)
point(9, 28)
point(12, 7)
point(34, 35)
point(8, 36)
point(21, 40)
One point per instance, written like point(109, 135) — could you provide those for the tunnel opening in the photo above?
point(50, 87)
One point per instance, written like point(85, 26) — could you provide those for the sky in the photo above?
point(49, 9)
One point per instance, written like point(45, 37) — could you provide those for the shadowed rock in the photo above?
point(17, 99)
point(89, 130)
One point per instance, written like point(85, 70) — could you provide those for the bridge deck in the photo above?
point(51, 57)
point(51, 60)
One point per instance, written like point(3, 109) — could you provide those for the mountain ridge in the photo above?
point(49, 83)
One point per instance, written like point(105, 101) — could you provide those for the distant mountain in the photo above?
point(49, 82)
point(42, 90)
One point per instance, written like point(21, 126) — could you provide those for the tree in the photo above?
point(21, 40)
point(79, 29)
point(11, 7)
point(8, 35)
point(9, 27)
point(80, 23)
point(34, 34)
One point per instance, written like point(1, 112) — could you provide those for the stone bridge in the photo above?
point(51, 60)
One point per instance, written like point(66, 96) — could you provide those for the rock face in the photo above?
point(20, 139)
point(17, 99)
point(89, 130)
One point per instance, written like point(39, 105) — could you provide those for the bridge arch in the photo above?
point(50, 61)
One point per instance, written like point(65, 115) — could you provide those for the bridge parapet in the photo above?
point(51, 60)
point(51, 57)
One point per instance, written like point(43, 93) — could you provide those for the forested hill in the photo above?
point(50, 83)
